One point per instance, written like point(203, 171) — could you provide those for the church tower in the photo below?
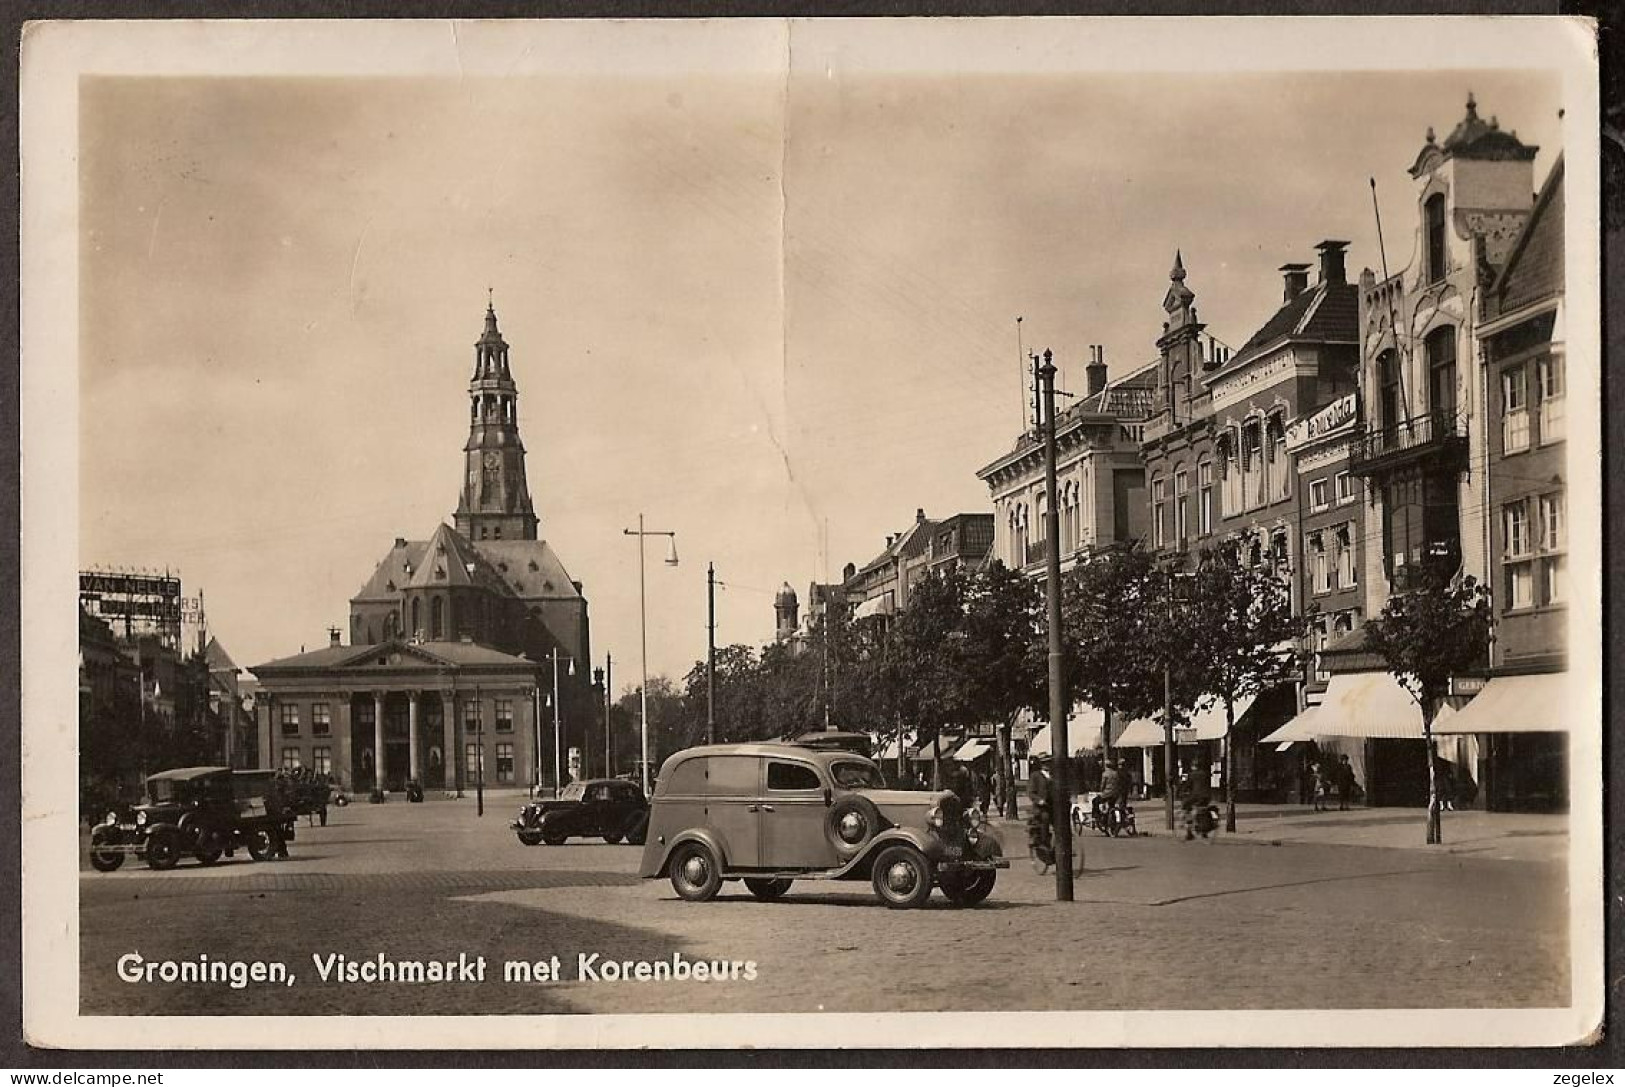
point(495, 500)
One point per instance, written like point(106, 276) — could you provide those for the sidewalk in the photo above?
point(1498, 835)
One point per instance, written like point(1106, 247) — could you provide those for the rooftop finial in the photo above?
point(1177, 274)
point(1432, 138)
point(1472, 105)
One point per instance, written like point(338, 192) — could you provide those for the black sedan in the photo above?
point(606, 808)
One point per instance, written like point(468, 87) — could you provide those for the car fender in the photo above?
point(924, 841)
point(704, 835)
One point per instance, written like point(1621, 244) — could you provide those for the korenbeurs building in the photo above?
point(449, 672)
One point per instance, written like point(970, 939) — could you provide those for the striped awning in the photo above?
point(875, 605)
point(1514, 704)
point(973, 750)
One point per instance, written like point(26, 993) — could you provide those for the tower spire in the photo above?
point(495, 501)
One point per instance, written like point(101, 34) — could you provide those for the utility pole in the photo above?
point(643, 632)
point(1168, 717)
point(1061, 808)
point(609, 684)
point(710, 653)
point(479, 755)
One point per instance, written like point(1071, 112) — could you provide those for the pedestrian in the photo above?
point(1319, 786)
point(983, 789)
point(1444, 774)
point(1196, 796)
point(277, 798)
point(1345, 783)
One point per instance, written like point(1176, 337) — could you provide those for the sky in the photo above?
point(774, 315)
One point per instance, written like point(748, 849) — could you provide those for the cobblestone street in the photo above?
point(1158, 923)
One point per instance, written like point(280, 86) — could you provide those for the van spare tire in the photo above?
point(852, 822)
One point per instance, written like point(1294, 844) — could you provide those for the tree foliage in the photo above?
point(1431, 633)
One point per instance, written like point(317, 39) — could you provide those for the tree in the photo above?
point(1242, 617)
point(927, 644)
point(738, 699)
point(1426, 636)
point(1005, 657)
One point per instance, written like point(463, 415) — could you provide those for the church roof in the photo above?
point(529, 569)
point(446, 559)
point(219, 660)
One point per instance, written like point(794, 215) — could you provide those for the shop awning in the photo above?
point(1146, 733)
point(875, 605)
point(1372, 706)
point(972, 751)
point(945, 748)
point(1209, 724)
point(1300, 727)
point(1514, 704)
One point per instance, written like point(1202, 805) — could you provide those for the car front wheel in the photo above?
point(163, 850)
point(530, 837)
point(259, 844)
point(614, 838)
point(902, 877)
point(106, 858)
point(970, 888)
point(767, 889)
point(695, 874)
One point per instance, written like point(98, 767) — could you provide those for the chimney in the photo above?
point(919, 516)
point(400, 541)
point(849, 571)
point(1095, 372)
point(1297, 280)
point(890, 539)
point(333, 637)
point(1331, 262)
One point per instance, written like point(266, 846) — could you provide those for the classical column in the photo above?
point(265, 710)
point(448, 741)
point(414, 770)
point(378, 778)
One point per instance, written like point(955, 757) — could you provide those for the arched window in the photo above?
point(1433, 217)
point(1159, 511)
point(1441, 356)
point(1390, 394)
point(1278, 468)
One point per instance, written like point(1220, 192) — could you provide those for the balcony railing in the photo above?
point(1436, 433)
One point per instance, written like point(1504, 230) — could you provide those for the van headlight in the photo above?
point(110, 819)
point(933, 818)
point(140, 818)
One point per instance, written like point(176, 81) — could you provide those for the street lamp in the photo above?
point(558, 776)
point(643, 631)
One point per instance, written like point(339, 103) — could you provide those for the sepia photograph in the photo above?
point(825, 533)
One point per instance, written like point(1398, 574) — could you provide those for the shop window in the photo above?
point(1348, 488)
point(1159, 511)
point(1514, 409)
point(1549, 381)
point(1518, 559)
point(1182, 482)
point(1319, 569)
point(1204, 498)
point(1347, 575)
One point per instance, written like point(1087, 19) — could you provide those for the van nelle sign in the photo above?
point(1338, 415)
